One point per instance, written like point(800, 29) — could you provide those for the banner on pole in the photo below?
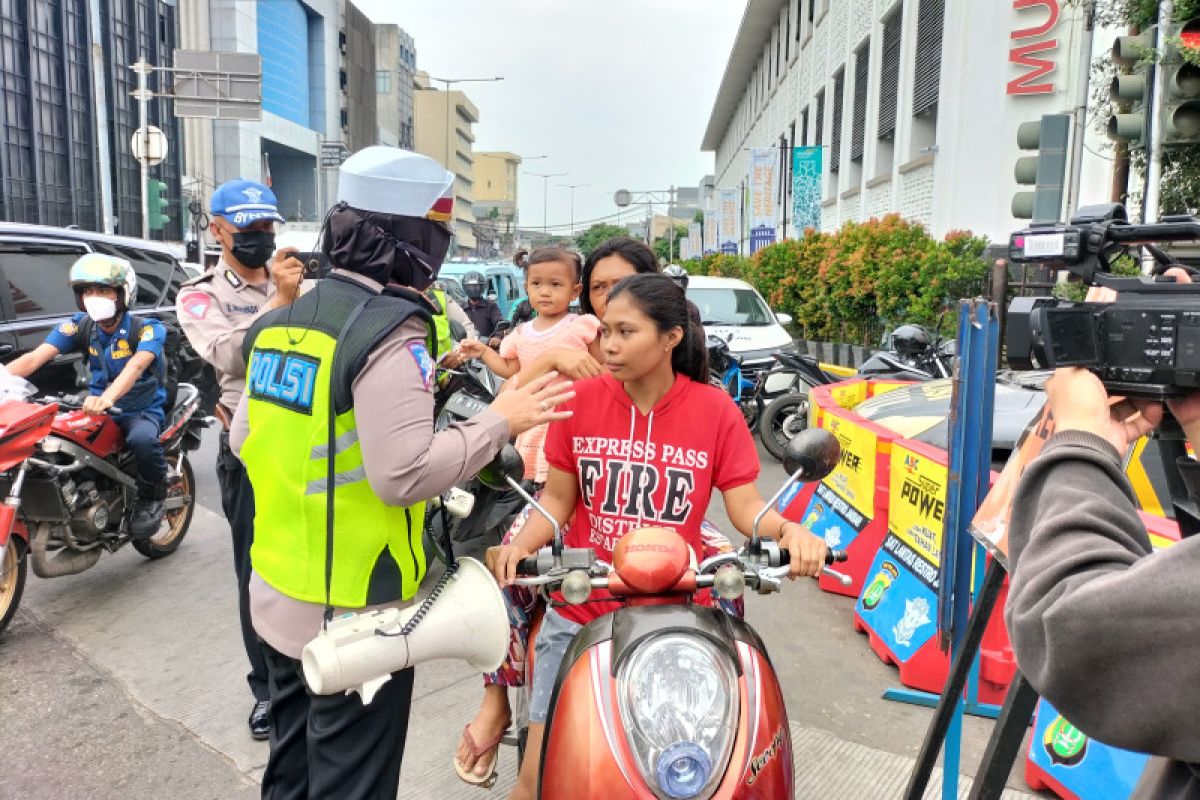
point(710, 231)
point(806, 188)
point(685, 248)
point(764, 176)
point(729, 232)
point(693, 240)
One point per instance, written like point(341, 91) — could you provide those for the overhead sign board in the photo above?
point(217, 85)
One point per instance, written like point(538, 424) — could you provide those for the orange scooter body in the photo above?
point(585, 751)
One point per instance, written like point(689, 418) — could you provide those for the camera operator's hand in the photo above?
point(1079, 402)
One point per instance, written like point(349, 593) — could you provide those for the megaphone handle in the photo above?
point(426, 604)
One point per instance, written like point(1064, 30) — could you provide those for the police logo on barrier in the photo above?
point(287, 380)
point(1065, 744)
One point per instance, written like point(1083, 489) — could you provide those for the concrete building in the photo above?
point(496, 197)
point(395, 70)
point(301, 46)
point(360, 127)
point(59, 105)
point(864, 79)
point(443, 132)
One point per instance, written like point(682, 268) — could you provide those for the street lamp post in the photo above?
point(573, 187)
point(546, 176)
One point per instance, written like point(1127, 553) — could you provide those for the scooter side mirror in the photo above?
point(815, 451)
point(507, 464)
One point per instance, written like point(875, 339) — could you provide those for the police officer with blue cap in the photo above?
point(215, 310)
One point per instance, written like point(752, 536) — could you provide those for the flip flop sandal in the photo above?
point(491, 745)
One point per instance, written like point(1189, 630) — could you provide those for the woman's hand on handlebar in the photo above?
point(807, 551)
point(503, 561)
point(527, 407)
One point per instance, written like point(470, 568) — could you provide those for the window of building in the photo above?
point(835, 133)
point(778, 52)
point(804, 136)
point(787, 35)
point(811, 10)
point(799, 18)
point(928, 71)
point(889, 76)
point(858, 130)
point(818, 137)
point(383, 81)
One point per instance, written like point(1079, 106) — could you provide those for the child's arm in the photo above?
point(504, 367)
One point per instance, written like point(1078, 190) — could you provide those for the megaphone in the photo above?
point(359, 652)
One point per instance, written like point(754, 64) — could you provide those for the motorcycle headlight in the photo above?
point(678, 699)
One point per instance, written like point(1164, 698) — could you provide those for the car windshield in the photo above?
point(720, 306)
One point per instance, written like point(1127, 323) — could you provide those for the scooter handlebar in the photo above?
point(527, 567)
point(831, 557)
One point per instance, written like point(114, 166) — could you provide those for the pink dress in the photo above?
point(526, 344)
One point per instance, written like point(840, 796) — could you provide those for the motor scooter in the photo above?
point(664, 698)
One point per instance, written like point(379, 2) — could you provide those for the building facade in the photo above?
point(444, 132)
point(915, 104)
point(359, 122)
point(68, 119)
point(496, 176)
point(301, 45)
point(395, 70)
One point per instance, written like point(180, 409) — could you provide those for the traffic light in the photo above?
point(156, 204)
point(1180, 112)
point(1046, 171)
point(1131, 90)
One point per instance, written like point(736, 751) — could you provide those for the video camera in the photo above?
point(1147, 342)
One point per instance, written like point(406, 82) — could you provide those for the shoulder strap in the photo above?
point(330, 459)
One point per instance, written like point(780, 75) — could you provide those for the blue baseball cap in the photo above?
point(244, 202)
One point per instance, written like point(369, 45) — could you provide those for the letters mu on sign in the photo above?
point(1031, 43)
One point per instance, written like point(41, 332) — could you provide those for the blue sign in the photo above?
point(806, 187)
point(897, 605)
point(1078, 763)
point(832, 518)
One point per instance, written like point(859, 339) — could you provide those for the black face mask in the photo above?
point(253, 248)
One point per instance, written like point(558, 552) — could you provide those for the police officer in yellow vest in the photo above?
point(336, 431)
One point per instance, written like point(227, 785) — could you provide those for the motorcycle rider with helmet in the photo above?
point(124, 371)
point(677, 274)
point(483, 311)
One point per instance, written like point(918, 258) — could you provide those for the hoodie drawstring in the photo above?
point(645, 452)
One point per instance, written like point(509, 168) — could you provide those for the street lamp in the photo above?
point(546, 176)
point(573, 187)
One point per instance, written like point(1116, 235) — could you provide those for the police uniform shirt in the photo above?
point(215, 311)
point(109, 354)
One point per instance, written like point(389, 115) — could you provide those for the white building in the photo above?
point(916, 102)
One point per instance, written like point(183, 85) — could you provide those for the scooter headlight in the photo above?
point(678, 699)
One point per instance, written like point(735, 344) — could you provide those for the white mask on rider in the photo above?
point(100, 309)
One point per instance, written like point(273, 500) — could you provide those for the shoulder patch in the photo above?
point(196, 304)
point(425, 363)
point(147, 333)
point(204, 277)
point(233, 279)
point(68, 329)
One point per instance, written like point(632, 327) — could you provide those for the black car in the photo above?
point(35, 296)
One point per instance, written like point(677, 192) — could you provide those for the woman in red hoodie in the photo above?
point(648, 443)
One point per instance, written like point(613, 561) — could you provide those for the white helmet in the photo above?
point(98, 269)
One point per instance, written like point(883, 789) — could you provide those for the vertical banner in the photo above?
point(693, 240)
point(685, 248)
point(764, 176)
point(710, 231)
point(806, 188)
point(729, 229)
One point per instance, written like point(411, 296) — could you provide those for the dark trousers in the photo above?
point(237, 500)
point(141, 438)
point(327, 746)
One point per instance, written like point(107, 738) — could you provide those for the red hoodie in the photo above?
point(692, 441)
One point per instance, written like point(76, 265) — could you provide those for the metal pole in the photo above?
point(671, 227)
point(1081, 107)
point(100, 104)
point(545, 202)
point(1154, 172)
point(143, 92)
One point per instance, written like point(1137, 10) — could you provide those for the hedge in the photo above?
point(856, 284)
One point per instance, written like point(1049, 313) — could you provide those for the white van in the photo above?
point(734, 311)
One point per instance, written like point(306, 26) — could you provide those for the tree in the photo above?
point(593, 236)
point(665, 247)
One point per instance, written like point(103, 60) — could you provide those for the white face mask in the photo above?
point(100, 308)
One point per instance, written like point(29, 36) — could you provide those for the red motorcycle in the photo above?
point(665, 698)
point(69, 488)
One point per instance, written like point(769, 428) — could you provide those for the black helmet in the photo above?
point(677, 274)
point(473, 284)
point(911, 340)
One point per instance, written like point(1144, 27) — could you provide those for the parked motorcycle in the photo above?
point(69, 488)
point(916, 355)
point(746, 389)
point(666, 698)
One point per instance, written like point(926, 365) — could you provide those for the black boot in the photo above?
point(147, 510)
